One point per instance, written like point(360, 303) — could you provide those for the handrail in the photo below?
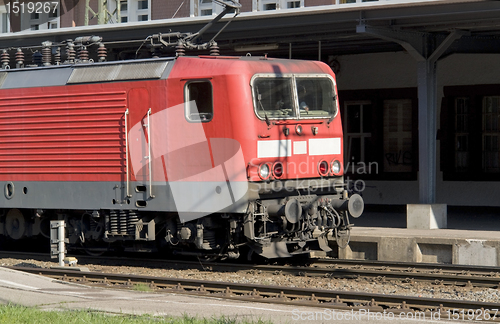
point(126, 154)
point(150, 157)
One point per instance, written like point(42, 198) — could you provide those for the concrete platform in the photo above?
point(451, 246)
point(31, 290)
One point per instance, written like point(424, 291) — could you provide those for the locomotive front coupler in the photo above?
point(293, 208)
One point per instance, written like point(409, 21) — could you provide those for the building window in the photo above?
point(380, 133)
point(206, 7)
point(123, 11)
point(134, 10)
point(265, 5)
point(491, 134)
point(54, 13)
point(270, 6)
point(277, 4)
point(470, 133)
point(142, 4)
point(45, 19)
point(142, 12)
point(199, 101)
point(34, 21)
point(462, 134)
point(357, 133)
point(398, 150)
point(5, 23)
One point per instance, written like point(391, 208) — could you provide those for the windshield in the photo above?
point(291, 96)
point(274, 97)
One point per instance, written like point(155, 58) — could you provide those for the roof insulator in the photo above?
point(214, 49)
point(83, 54)
point(46, 53)
point(179, 49)
point(5, 59)
point(19, 58)
point(102, 52)
point(70, 52)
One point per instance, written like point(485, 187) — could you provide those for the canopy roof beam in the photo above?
point(426, 49)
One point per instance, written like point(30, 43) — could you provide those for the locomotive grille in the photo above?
point(3, 76)
point(134, 71)
point(37, 138)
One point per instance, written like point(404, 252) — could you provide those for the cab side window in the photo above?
point(198, 97)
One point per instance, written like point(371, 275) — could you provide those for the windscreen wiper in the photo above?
point(332, 116)
point(259, 97)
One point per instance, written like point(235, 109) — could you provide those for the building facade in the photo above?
point(73, 13)
point(379, 103)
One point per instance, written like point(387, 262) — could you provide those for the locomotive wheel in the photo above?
point(15, 224)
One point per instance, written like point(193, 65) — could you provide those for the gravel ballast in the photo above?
point(376, 286)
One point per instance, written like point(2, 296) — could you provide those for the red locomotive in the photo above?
point(201, 155)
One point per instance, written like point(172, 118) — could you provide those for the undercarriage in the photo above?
point(274, 225)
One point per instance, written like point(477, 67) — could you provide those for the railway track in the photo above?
point(446, 274)
point(385, 305)
point(436, 274)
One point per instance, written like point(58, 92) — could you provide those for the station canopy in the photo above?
point(310, 32)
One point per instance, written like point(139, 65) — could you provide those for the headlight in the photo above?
point(264, 171)
point(298, 129)
point(336, 167)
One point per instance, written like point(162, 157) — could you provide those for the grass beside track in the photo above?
point(10, 314)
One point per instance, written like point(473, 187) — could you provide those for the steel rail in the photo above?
point(433, 275)
point(408, 265)
point(326, 299)
point(437, 274)
point(484, 276)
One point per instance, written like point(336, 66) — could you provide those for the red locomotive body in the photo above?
point(200, 155)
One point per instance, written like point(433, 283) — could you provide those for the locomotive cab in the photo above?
point(297, 171)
